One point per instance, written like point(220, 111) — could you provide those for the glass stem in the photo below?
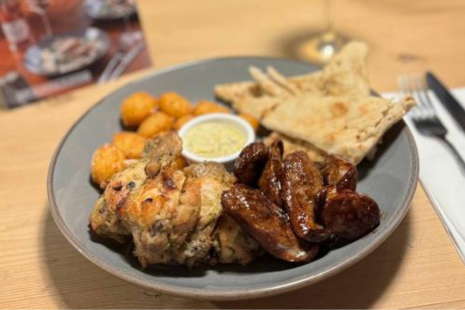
point(47, 26)
point(127, 24)
point(329, 21)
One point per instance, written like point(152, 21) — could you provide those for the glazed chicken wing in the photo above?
point(270, 180)
point(301, 182)
point(249, 165)
point(348, 214)
point(339, 172)
point(266, 223)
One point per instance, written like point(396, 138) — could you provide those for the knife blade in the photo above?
point(445, 97)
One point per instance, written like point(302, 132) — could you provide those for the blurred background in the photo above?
point(403, 36)
point(49, 47)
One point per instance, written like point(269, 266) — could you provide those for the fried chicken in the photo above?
point(106, 220)
point(171, 211)
point(232, 244)
point(209, 181)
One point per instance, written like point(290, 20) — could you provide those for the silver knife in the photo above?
point(126, 60)
point(446, 98)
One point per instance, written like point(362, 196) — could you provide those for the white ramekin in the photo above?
point(231, 119)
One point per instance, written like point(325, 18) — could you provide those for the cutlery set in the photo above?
point(441, 178)
point(424, 116)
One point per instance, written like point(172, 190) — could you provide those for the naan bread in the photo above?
point(346, 74)
point(332, 110)
point(346, 126)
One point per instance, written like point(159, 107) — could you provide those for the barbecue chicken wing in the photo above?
point(348, 214)
point(249, 165)
point(270, 180)
point(300, 183)
point(339, 172)
point(266, 223)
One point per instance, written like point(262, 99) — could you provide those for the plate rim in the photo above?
point(202, 293)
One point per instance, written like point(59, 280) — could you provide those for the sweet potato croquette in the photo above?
point(207, 107)
point(175, 105)
point(106, 161)
point(181, 121)
point(136, 108)
point(251, 120)
point(130, 143)
point(154, 124)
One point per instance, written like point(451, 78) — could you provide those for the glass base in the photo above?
point(321, 49)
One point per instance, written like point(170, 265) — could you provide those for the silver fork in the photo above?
point(424, 116)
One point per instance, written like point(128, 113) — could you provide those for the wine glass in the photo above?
point(129, 35)
point(325, 45)
point(40, 7)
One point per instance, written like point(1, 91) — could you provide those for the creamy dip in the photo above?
point(214, 139)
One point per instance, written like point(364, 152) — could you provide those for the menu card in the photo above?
point(48, 47)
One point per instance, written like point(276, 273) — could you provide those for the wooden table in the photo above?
point(417, 267)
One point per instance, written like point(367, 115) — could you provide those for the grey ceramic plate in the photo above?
point(390, 179)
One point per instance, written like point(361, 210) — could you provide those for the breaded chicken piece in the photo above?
point(159, 221)
point(105, 219)
point(171, 211)
point(210, 180)
point(232, 244)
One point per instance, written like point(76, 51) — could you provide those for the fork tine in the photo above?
point(411, 90)
point(413, 79)
point(425, 108)
point(402, 82)
point(424, 88)
point(429, 111)
point(401, 85)
point(414, 89)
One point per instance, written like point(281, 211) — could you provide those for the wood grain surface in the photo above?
point(417, 267)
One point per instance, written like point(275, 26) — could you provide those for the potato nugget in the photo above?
point(136, 108)
point(130, 143)
point(175, 105)
point(181, 121)
point(107, 161)
point(206, 107)
point(154, 124)
point(251, 120)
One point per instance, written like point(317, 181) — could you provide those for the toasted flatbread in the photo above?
point(346, 126)
point(346, 74)
point(331, 110)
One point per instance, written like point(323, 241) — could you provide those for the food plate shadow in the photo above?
point(359, 287)
point(262, 264)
